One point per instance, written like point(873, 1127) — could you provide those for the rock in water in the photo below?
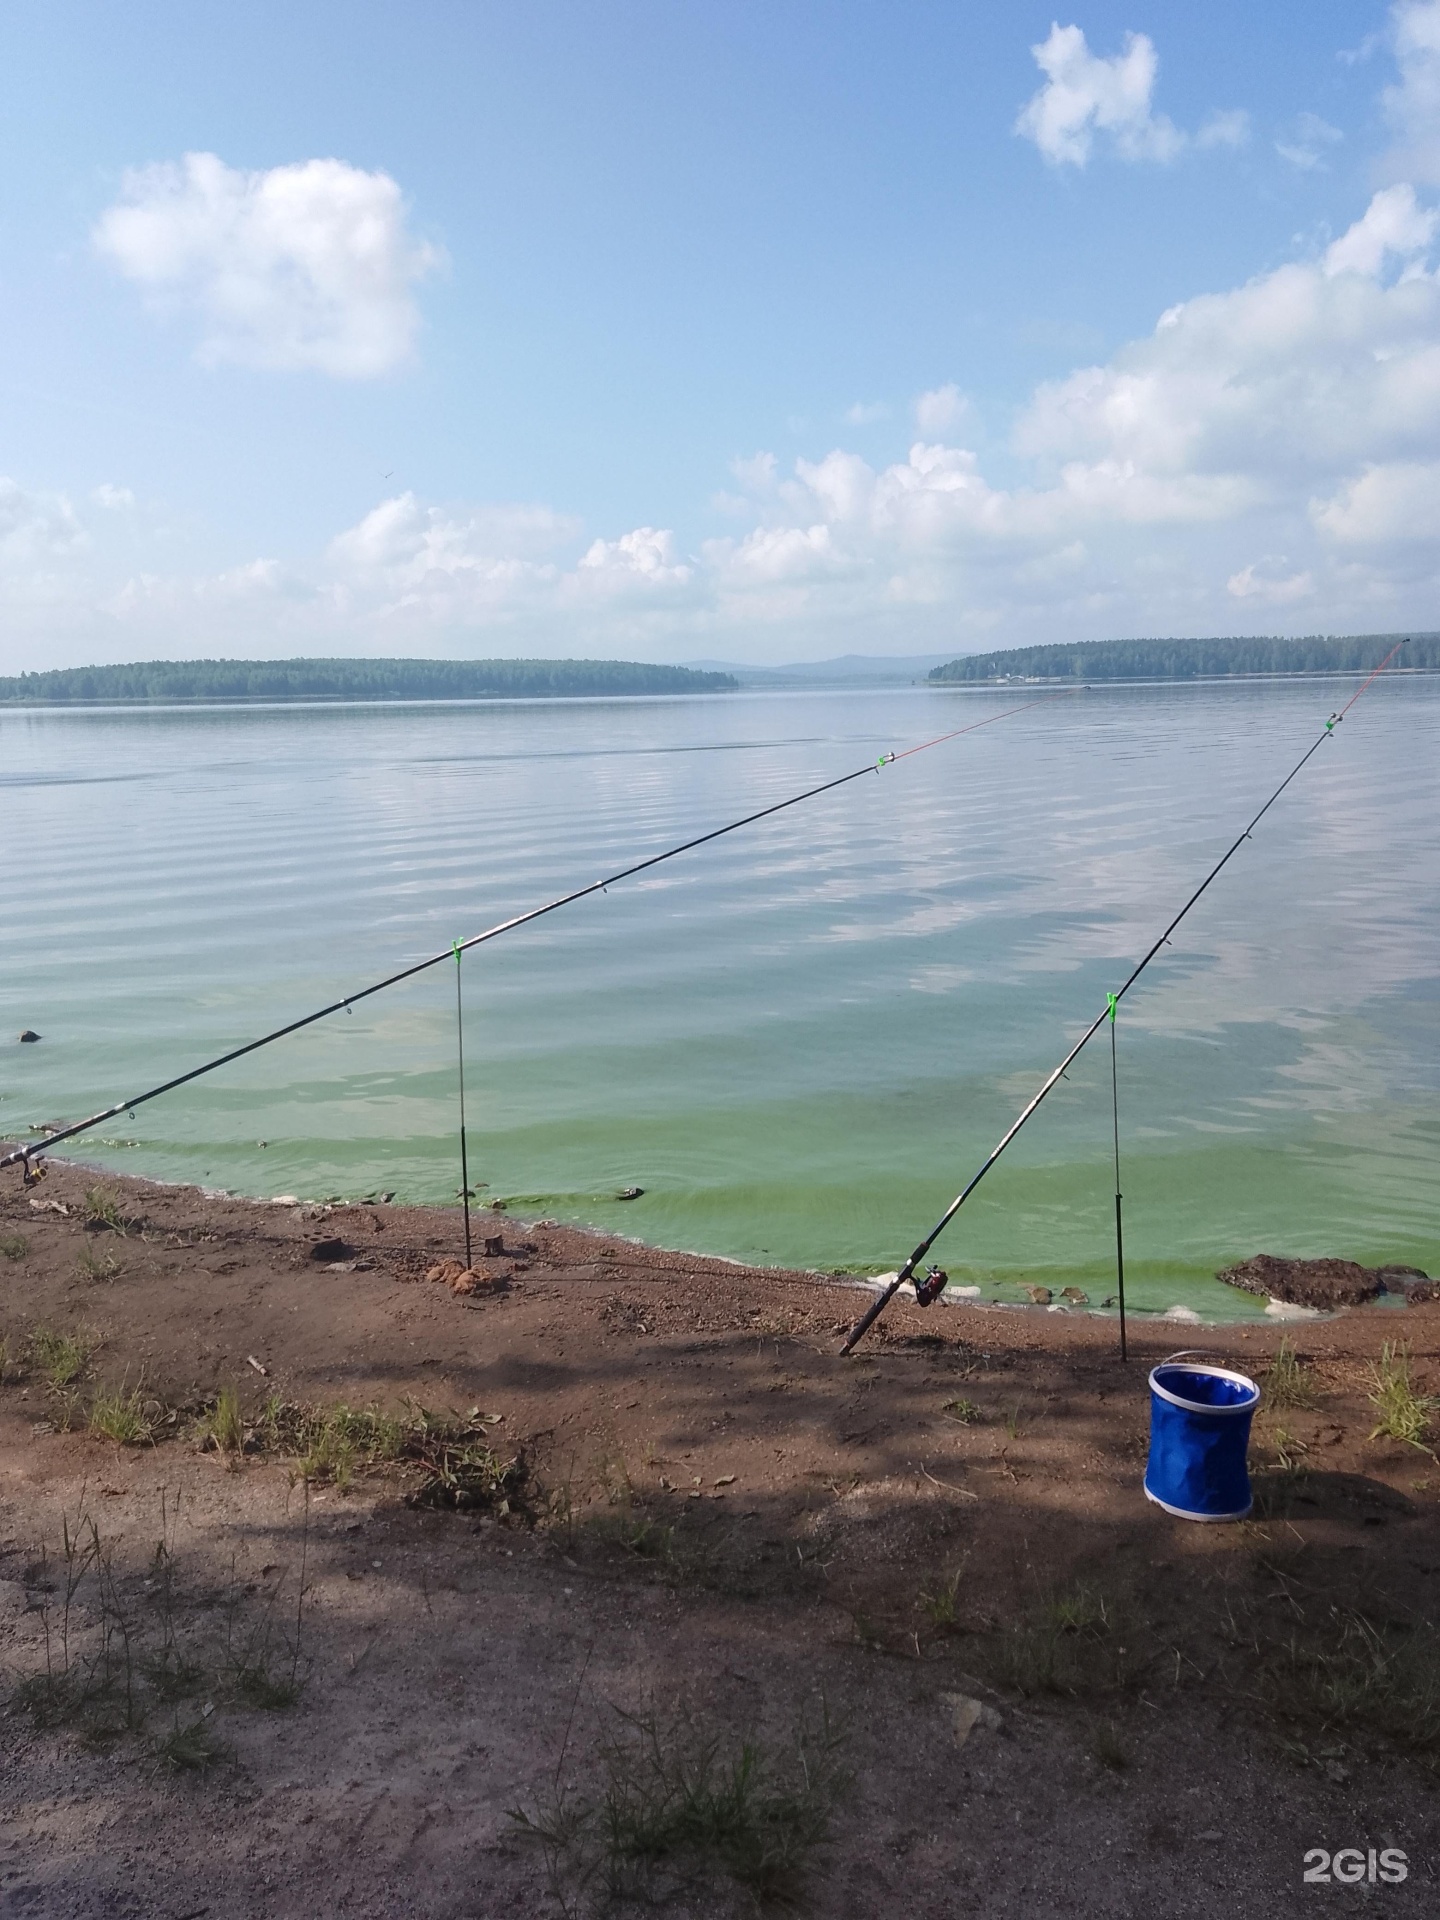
point(1040, 1295)
point(1075, 1296)
point(1304, 1283)
point(29, 1034)
point(630, 1193)
point(1410, 1281)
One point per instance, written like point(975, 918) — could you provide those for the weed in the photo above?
point(4, 1359)
point(102, 1209)
point(14, 1246)
point(96, 1266)
point(1013, 1418)
point(1066, 1646)
point(1350, 1674)
point(965, 1411)
point(121, 1416)
point(1287, 1384)
point(1288, 1450)
point(1081, 1610)
point(192, 1748)
point(677, 1803)
point(942, 1605)
point(224, 1426)
point(1404, 1414)
point(60, 1357)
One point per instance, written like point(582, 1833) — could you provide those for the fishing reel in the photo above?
point(929, 1290)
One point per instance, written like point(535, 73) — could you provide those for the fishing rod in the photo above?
point(26, 1154)
point(930, 1288)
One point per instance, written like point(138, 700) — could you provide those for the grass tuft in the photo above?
point(941, 1605)
point(91, 1265)
point(224, 1425)
point(194, 1747)
point(965, 1411)
point(102, 1209)
point(1403, 1412)
point(676, 1804)
point(121, 1416)
point(60, 1358)
point(14, 1246)
point(1287, 1382)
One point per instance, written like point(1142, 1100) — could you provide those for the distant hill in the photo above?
point(1190, 659)
point(167, 680)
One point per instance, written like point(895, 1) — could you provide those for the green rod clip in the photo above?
point(1112, 1004)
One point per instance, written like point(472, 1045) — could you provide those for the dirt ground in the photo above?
point(1043, 1696)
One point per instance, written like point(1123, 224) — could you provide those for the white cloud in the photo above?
point(36, 528)
point(1384, 506)
point(1306, 141)
point(1413, 105)
point(941, 410)
point(1394, 222)
point(1270, 589)
point(647, 556)
point(302, 267)
point(1225, 127)
point(865, 413)
point(1084, 95)
point(114, 499)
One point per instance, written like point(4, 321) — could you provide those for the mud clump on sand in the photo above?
point(1325, 1283)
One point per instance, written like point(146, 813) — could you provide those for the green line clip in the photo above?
point(1113, 1003)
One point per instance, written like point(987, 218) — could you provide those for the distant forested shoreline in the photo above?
point(1191, 659)
point(167, 680)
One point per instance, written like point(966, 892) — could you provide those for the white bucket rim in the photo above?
point(1199, 1406)
point(1186, 1513)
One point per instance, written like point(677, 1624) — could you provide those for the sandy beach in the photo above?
point(1042, 1696)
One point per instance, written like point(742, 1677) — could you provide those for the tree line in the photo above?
point(166, 680)
point(1191, 659)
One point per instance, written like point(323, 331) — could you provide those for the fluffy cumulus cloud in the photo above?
point(1088, 96)
point(309, 266)
point(1266, 457)
point(1412, 104)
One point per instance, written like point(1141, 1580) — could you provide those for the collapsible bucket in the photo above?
point(1199, 1431)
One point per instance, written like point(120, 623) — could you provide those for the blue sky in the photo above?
point(753, 331)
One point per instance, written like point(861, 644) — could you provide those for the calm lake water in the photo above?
point(800, 1041)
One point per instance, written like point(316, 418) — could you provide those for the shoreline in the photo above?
point(955, 1297)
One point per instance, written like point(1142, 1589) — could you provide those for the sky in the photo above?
point(750, 330)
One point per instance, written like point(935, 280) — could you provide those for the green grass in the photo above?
point(60, 1358)
point(120, 1416)
point(1355, 1676)
point(102, 1209)
point(14, 1246)
point(965, 1411)
point(941, 1604)
point(194, 1747)
point(224, 1424)
point(455, 1461)
point(91, 1265)
point(1403, 1413)
point(1287, 1384)
point(676, 1805)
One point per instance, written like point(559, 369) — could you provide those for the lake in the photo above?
point(801, 1040)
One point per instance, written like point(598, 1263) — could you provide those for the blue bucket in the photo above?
point(1199, 1432)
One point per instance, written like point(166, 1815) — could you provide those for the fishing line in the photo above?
point(26, 1154)
point(930, 1288)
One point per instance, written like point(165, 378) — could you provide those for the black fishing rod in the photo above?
point(929, 1289)
point(26, 1154)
